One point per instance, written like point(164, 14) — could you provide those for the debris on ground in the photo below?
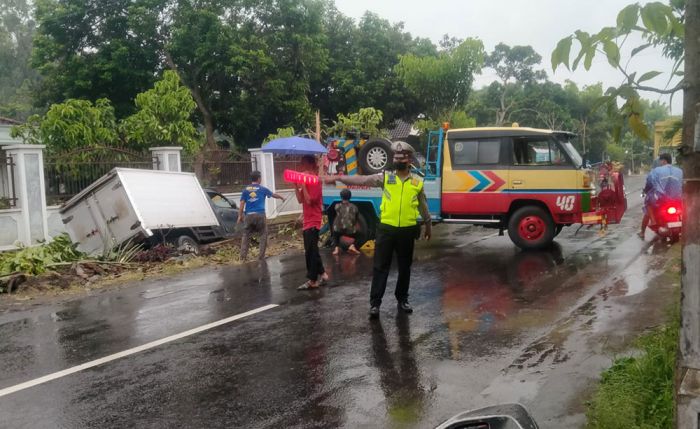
point(58, 267)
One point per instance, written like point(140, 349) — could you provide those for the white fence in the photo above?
point(29, 221)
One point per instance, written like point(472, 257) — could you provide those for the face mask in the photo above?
point(401, 166)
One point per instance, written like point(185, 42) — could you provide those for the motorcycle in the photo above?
point(507, 416)
point(666, 219)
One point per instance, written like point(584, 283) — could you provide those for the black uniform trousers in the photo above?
point(390, 240)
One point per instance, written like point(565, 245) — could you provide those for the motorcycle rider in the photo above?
point(664, 183)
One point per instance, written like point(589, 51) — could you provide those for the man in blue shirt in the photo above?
point(255, 221)
point(664, 183)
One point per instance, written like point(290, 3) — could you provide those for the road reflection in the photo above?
point(399, 374)
point(490, 288)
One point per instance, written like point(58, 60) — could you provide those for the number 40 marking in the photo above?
point(566, 203)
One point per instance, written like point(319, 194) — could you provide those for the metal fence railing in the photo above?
point(65, 181)
point(8, 196)
point(225, 176)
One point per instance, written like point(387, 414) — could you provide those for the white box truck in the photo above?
point(145, 206)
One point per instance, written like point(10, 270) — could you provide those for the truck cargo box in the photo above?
point(130, 204)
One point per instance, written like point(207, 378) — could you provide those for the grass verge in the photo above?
point(637, 392)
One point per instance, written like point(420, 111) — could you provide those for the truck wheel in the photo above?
point(187, 244)
point(531, 227)
point(375, 156)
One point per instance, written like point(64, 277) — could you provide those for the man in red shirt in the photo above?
point(310, 197)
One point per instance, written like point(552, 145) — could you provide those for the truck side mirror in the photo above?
point(508, 416)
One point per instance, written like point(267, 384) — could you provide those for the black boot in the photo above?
point(374, 312)
point(405, 307)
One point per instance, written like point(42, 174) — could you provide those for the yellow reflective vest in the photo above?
point(400, 200)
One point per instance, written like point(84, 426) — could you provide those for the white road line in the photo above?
point(96, 362)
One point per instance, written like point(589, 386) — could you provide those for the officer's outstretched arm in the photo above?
point(372, 180)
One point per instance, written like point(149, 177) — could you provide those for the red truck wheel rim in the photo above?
point(531, 228)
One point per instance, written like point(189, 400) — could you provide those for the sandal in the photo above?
point(323, 281)
point(307, 286)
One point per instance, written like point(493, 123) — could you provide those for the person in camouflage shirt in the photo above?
point(345, 223)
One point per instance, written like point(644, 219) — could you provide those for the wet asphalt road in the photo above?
point(491, 324)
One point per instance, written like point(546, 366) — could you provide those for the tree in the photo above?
point(361, 66)
point(659, 25)
point(163, 117)
point(17, 30)
point(72, 126)
point(443, 83)
point(366, 120)
point(514, 67)
point(87, 49)
point(676, 29)
point(585, 110)
point(78, 130)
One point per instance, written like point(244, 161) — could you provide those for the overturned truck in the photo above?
point(146, 206)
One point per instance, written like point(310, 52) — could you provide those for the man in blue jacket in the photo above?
point(664, 183)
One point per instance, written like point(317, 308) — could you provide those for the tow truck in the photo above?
point(529, 182)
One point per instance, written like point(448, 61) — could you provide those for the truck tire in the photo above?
point(531, 227)
point(187, 244)
point(375, 156)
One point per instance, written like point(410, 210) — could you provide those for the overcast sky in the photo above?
point(539, 23)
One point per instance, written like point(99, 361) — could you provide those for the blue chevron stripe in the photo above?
point(484, 182)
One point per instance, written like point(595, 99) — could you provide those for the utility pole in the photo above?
point(688, 392)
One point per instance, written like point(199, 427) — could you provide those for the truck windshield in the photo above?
point(572, 152)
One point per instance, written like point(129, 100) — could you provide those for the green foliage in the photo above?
point(124, 253)
point(515, 68)
point(615, 152)
point(361, 67)
point(367, 119)
point(515, 63)
point(17, 28)
point(78, 131)
point(163, 117)
point(249, 66)
point(659, 25)
point(638, 392)
point(459, 119)
point(73, 125)
point(38, 259)
point(443, 83)
point(94, 49)
point(281, 132)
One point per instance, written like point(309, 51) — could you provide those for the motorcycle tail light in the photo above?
point(671, 210)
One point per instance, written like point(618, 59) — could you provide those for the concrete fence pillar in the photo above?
point(167, 158)
point(265, 164)
point(30, 192)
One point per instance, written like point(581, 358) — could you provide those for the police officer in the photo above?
point(403, 198)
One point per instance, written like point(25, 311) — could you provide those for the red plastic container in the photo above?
point(292, 176)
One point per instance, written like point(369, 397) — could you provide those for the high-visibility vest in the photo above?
point(400, 200)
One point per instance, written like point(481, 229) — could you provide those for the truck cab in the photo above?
point(530, 182)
